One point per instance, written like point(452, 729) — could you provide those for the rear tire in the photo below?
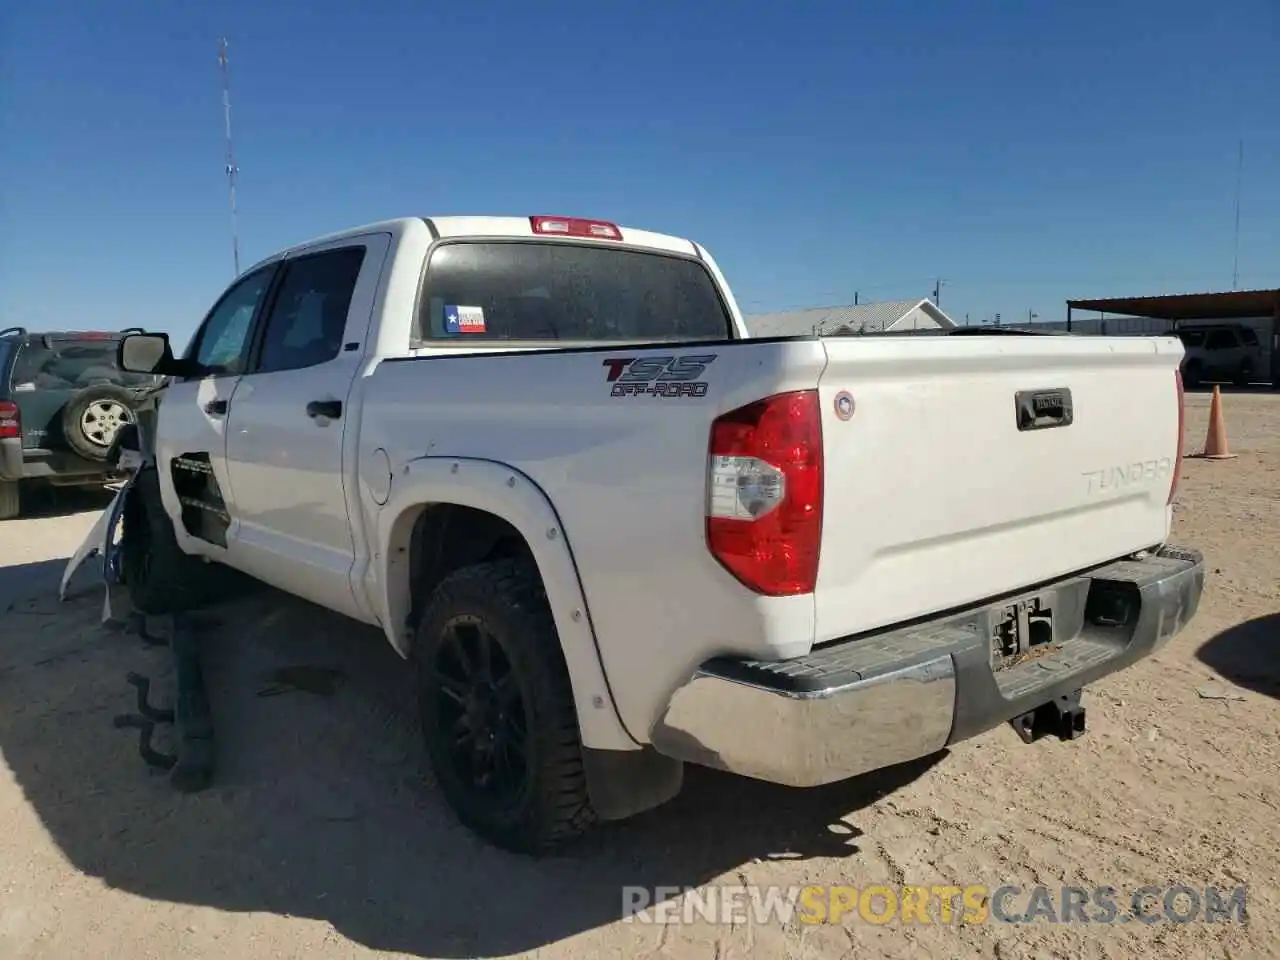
point(10, 500)
point(160, 577)
point(497, 709)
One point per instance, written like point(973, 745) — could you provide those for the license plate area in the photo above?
point(1021, 631)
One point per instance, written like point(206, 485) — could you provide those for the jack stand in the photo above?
point(1064, 717)
point(148, 712)
point(150, 756)
point(144, 721)
point(194, 720)
point(191, 768)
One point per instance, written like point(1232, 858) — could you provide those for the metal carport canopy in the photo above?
point(1235, 305)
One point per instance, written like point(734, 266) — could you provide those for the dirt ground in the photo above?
point(323, 837)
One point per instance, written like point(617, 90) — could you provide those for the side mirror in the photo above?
point(146, 353)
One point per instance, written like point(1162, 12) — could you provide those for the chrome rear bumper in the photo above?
point(872, 701)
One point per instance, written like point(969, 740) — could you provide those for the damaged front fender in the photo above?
point(101, 541)
point(130, 454)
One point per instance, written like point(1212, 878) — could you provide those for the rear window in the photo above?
point(1249, 338)
point(1221, 340)
point(562, 291)
point(70, 365)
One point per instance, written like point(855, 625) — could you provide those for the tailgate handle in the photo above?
point(1042, 409)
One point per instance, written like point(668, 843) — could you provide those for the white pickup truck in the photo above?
point(614, 534)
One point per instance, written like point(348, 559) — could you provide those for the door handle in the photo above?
point(216, 408)
point(332, 409)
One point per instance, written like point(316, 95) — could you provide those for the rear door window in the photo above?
point(70, 364)
point(1221, 340)
point(309, 316)
point(562, 291)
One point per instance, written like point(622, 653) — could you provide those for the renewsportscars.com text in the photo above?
point(972, 904)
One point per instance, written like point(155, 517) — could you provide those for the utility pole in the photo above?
point(1235, 260)
point(231, 168)
point(1031, 315)
point(937, 292)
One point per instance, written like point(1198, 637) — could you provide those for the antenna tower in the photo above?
point(231, 167)
point(1235, 259)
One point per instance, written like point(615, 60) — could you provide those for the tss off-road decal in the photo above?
point(658, 376)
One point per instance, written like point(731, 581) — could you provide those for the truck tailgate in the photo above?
point(940, 491)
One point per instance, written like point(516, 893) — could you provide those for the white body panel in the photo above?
point(289, 467)
point(933, 498)
point(627, 478)
point(188, 427)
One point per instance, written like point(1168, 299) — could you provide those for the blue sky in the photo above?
point(1025, 152)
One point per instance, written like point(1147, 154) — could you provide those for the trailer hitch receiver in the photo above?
point(1064, 717)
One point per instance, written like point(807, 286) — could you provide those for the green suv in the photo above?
point(63, 398)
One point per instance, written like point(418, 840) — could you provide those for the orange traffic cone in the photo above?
point(1215, 441)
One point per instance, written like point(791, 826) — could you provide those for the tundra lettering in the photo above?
point(1144, 471)
point(1047, 403)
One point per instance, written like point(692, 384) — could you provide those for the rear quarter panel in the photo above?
point(627, 476)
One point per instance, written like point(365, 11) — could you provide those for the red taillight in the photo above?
point(1177, 463)
point(10, 420)
point(576, 227)
point(764, 505)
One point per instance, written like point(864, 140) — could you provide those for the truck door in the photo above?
point(191, 435)
point(290, 434)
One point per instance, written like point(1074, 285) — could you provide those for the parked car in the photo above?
point(62, 399)
point(615, 535)
point(1224, 352)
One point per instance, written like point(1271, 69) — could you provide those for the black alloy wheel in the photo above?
point(481, 713)
point(497, 708)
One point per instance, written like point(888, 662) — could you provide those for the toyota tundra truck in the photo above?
point(614, 535)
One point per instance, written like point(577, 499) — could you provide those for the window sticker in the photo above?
point(462, 320)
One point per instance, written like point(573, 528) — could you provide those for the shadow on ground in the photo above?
point(43, 502)
point(1247, 654)
point(321, 807)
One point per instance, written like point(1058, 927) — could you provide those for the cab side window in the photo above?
point(223, 342)
point(308, 317)
point(1221, 340)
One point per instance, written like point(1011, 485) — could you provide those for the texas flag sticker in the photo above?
point(463, 319)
